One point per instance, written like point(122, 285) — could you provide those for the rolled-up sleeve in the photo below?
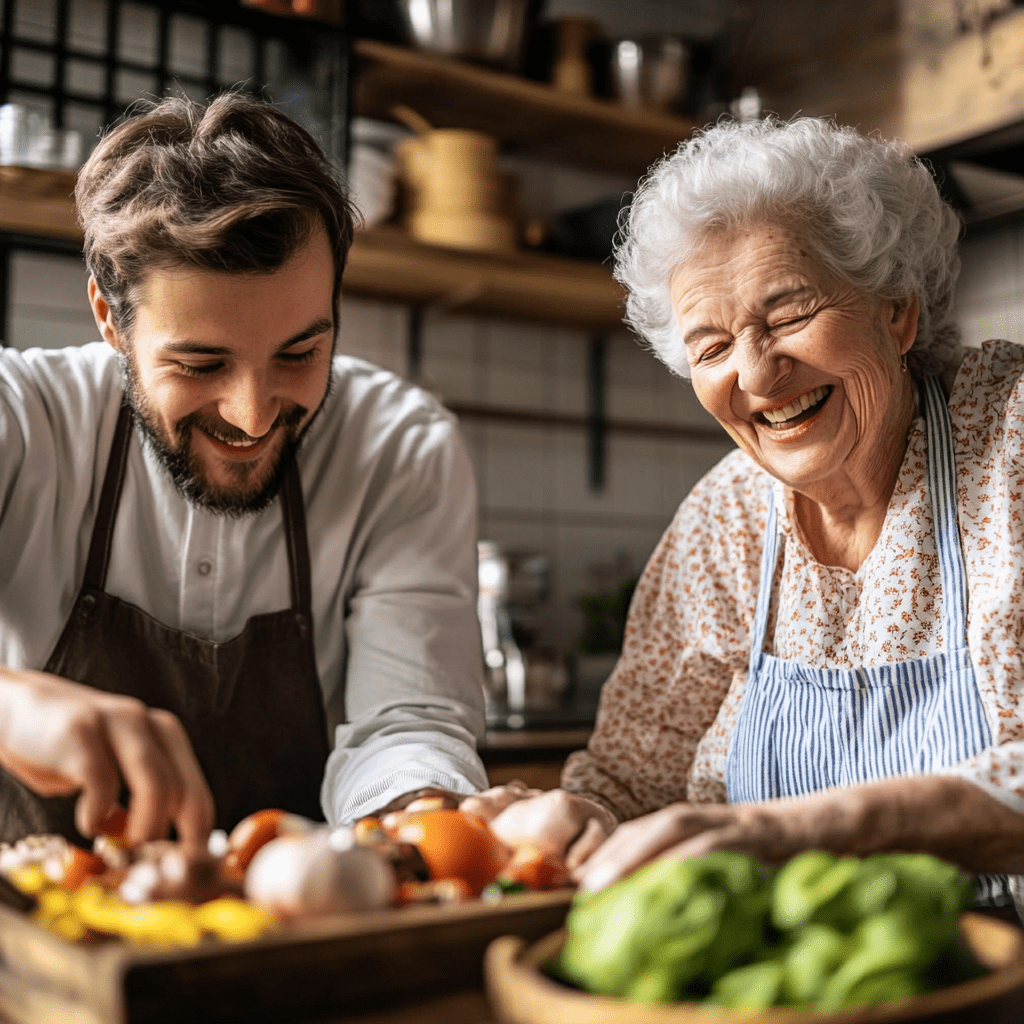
point(413, 693)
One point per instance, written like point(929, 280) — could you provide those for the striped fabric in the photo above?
point(803, 729)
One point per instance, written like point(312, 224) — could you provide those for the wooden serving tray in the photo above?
point(331, 967)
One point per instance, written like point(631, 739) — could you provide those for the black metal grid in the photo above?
point(302, 66)
point(321, 48)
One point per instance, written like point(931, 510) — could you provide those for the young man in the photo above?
point(217, 537)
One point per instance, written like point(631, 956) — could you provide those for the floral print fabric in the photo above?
point(669, 708)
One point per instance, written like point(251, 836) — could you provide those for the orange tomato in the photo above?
point(255, 831)
point(454, 844)
point(79, 865)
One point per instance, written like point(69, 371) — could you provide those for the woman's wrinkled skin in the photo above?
point(765, 325)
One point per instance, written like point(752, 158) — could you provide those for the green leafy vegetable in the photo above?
point(822, 930)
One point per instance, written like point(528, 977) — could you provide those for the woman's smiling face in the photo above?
point(802, 370)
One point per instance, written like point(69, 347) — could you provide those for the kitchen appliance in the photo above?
point(650, 72)
point(525, 682)
point(504, 664)
point(488, 31)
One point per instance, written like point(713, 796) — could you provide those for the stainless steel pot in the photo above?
point(651, 72)
point(489, 31)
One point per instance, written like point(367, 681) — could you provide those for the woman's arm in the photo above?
point(938, 814)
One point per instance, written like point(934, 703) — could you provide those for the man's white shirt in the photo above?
point(391, 518)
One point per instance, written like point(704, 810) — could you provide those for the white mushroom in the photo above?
point(318, 873)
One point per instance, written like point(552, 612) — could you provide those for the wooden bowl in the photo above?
point(520, 993)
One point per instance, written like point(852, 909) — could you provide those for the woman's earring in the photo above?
point(903, 363)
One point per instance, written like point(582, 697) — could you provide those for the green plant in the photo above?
point(604, 618)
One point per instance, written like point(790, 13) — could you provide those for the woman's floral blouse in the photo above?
point(669, 708)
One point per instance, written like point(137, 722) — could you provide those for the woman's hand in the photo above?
point(690, 830)
point(59, 737)
point(943, 815)
point(565, 823)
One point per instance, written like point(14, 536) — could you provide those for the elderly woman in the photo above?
point(825, 650)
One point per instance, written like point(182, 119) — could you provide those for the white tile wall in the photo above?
point(188, 46)
point(990, 298)
point(138, 34)
point(48, 303)
point(88, 24)
point(236, 55)
point(36, 20)
point(374, 331)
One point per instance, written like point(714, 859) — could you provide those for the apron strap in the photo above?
point(106, 513)
point(942, 486)
point(297, 541)
point(769, 559)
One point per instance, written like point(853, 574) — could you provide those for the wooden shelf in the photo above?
point(536, 418)
point(527, 116)
point(36, 202)
point(384, 263)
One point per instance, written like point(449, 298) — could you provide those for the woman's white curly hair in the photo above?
point(869, 209)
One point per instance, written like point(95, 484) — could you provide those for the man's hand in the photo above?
point(430, 797)
point(491, 802)
point(59, 737)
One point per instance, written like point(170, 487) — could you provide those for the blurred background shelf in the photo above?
point(385, 263)
point(526, 116)
point(37, 202)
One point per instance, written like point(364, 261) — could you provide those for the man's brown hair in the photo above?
point(235, 186)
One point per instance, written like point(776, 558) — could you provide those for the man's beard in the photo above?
point(186, 468)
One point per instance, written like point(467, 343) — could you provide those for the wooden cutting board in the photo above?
point(350, 964)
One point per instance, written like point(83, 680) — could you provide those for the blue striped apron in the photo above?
point(803, 729)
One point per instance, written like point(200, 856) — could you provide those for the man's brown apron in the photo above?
point(252, 706)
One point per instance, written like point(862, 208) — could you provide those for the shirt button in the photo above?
point(205, 568)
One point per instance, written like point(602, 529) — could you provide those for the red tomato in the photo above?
point(537, 868)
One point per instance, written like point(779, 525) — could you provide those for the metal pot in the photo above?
point(489, 31)
point(651, 72)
